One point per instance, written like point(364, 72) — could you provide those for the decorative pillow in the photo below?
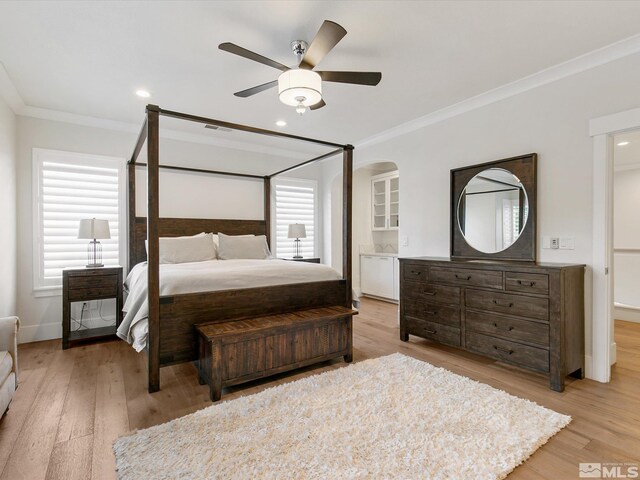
point(236, 247)
point(196, 248)
point(216, 241)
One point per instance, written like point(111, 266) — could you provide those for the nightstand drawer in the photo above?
point(93, 293)
point(83, 281)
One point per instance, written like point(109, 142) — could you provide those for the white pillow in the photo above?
point(236, 247)
point(216, 241)
point(196, 248)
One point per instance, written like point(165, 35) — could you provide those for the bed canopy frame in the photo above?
point(172, 340)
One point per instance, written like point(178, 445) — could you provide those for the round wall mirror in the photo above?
point(492, 210)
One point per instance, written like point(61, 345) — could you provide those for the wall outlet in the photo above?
point(404, 241)
point(555, 243)
point(567, 243)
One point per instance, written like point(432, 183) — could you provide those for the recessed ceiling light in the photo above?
point(143, 93)
point(622, 144)
point(281, 123)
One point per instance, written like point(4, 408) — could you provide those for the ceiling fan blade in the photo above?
point(318, 105)
point(253, 90)
point(328, 36)
point(357, 78)
point(243, 52)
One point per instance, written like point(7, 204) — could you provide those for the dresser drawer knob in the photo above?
point(427, 292)
point(463, 277)
point(529, 284)
point(496, 326)
point(506, 305)
point(505, 350)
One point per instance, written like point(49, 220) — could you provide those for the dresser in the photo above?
point(526, 314)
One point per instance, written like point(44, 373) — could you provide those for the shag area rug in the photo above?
point(389, 417)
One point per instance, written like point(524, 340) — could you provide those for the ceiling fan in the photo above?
point(300, 86)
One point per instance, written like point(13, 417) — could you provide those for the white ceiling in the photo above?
point(88, 58)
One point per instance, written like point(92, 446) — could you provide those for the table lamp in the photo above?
point(297, 231)
point(94, 229)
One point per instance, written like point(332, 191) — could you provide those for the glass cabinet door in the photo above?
point(394, 203)
point(379, 194)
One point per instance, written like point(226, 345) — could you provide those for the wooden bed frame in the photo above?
point(172, 336)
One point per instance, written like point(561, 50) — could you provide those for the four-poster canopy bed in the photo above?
point(172, 318)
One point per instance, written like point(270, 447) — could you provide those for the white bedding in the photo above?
point(209, 276)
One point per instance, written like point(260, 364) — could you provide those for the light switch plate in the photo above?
point(404, 241)
point(567, 243)
point(555, 243)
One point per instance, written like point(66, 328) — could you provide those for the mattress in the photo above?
point(209, 276)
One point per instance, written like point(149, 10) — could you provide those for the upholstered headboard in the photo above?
point(176, 227)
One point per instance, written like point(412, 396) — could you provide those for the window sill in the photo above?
point(47, 292)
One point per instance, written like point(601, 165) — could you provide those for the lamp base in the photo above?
point(298, 256)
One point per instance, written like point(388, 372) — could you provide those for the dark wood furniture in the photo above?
point(171, 318)
point(83, 285)
point(236, 352)
point(525, 168)
point(526, 314)
point(304, 259)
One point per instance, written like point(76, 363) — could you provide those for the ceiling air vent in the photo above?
point(220, 129)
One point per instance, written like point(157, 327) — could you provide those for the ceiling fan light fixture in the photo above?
point(300, 87)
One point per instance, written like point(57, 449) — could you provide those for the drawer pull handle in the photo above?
point(432, 332)
point(507, 305)
point(416, 272)
point(430, 312)
point(427, 292)
point(463, 277)
point(505, 350)
point(529, 284)
point(496, 326)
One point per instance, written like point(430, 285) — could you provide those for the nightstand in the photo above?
point(83, 285)
point(304, 259)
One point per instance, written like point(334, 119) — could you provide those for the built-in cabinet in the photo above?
point(385, 197)
point(379, 276)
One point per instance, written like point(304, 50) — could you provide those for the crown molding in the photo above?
point(593, 59)
point(626, 167)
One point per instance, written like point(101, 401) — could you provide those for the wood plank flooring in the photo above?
point(72, 404)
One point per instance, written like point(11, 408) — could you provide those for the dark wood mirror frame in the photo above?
point(525, 167)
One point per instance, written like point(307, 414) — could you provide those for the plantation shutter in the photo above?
point(295, 203)
point(68, 189)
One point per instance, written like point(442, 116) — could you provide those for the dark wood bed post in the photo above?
point(347, 213)
point(153, 264)
point(131, 201)
point(267, 209)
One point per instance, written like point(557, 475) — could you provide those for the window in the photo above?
point(67, 188)
point(295, 202)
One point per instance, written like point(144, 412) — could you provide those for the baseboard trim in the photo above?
point(37, 333)
point(628, 314)
point(613, 353)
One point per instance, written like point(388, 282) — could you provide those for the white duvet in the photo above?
point(209, 276)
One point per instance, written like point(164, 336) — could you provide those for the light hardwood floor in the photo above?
point(72, 404)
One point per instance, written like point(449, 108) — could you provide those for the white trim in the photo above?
point(37, 333)
point(626, 167)
point(593, 59)
point(602, 130)
point(613, 353)
point(40, 290)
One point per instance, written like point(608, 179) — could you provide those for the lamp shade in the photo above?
point(91, 228)
point(297, 230)
point(298, 85)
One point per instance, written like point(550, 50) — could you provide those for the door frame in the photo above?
point(602, 130)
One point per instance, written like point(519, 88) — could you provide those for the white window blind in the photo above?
point(295, 202)
point(67, 188)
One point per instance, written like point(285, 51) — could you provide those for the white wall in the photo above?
point(551, 120)
point(626, 218)
point(8, 180)
point(184, 195)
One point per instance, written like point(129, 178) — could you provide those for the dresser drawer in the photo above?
point(94, 293)
point(434, 331)
point(441, 294)
point(527, 282)
point(415, 273)
point(446, 315)
point(462, 276)
point(510, 328)
point(83, 281)
point(510, 304)
point(507, 351)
